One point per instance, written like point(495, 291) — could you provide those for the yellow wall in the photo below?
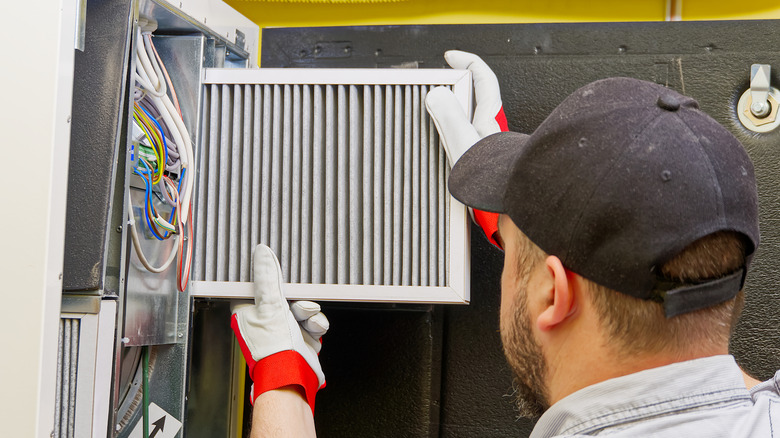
point(276, 13)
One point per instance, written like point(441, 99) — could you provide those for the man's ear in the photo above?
point(562, 299)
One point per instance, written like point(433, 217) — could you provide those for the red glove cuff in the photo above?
point(489, 224)
point(278, 370)
point(284, 369)
point(501, 120)
point(489, 221)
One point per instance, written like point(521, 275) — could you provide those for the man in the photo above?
point(628, 219)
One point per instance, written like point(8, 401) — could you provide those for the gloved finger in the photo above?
point(456, 132)
point(302, 310)
point(487, 92)
point(268, 281)
point(317, 325)
point(312, 342)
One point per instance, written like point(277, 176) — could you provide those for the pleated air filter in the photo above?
point(341, 173)
point(67, 373)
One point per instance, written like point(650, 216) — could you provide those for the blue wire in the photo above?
point(148, 184)
point(146, 210)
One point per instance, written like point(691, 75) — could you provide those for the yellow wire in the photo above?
point(155, 137)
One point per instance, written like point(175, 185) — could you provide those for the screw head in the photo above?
point(760, 109)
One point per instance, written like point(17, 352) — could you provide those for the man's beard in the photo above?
point(525, 358)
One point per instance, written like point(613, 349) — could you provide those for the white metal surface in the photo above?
point(40, 85)
point(341, 172)
point(101, 401)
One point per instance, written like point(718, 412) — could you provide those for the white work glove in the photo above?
point(457, 132)
point(280, 341)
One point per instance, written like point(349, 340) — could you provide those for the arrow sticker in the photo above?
point(158, 426)
point(161, 424)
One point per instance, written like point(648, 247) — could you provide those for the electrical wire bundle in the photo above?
point(162, 157)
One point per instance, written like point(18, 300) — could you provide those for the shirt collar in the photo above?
point(647, 393)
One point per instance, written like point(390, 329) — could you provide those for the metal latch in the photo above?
point(758, 107)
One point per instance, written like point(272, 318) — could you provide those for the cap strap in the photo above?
point(698, 296)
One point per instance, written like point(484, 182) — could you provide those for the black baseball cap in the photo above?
point(620, 178)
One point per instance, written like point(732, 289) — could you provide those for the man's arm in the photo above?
point(282, 412)
point(280, 343)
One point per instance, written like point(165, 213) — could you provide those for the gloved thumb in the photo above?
point(455, 130)
point(268, 289)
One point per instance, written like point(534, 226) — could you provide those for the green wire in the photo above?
point(146, 391)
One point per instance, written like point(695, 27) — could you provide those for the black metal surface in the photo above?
point(538, 65)
point(97, 115)
point(382, 368)
point(209, 369)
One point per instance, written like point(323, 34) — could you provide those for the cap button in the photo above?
point(669, 102)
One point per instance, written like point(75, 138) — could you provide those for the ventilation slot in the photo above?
point(67, 365)
point(346, 183)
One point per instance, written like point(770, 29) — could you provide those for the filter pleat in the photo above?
point(223, 184)
point(305, 261)
point(266, 127)
point(295, 198)
point(331, 187)
point(255, 167)
point(355, 192)
point(342, 191)
point(235, 197)
point(275, 211)
point(283, 250)
point(425, 145)
point(398, 185)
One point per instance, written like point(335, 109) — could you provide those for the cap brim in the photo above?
point(480, 177)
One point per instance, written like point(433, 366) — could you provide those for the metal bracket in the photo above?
point(758, 106)
point(759, 90)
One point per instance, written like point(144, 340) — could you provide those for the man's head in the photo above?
point(647, 209)
point(549, 314)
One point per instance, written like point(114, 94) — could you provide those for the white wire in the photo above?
point(149, 75)
point(145, 73)
point(187, 158)
point(154, 64)
point(171, 118)
point(146, 65)
point(167, 195)
point(137, 245)
point(145, 85)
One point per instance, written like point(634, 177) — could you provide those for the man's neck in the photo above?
point(581, 368)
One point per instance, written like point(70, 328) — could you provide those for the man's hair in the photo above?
point(634, 325)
